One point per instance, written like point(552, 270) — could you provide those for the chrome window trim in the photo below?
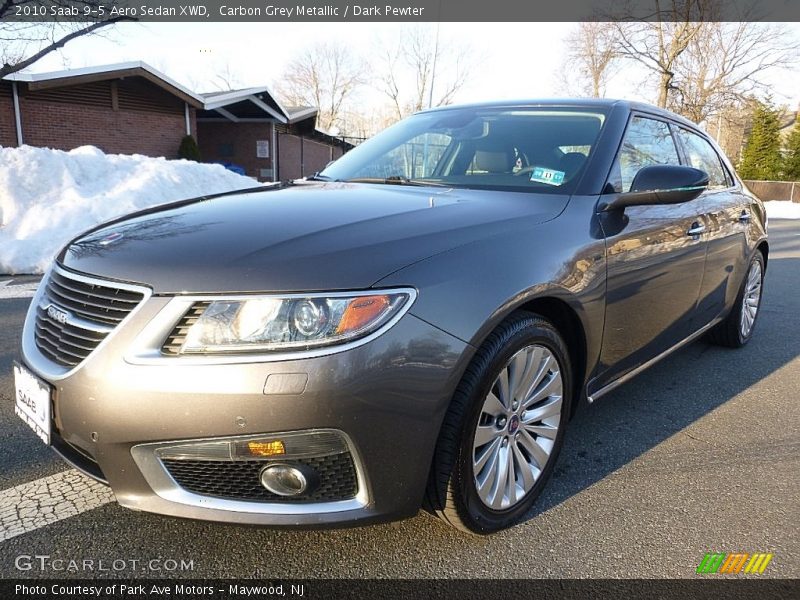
point(165, 486)
point(37, 361)
point(146, 348)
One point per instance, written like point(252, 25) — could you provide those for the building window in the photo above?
point(225, 150)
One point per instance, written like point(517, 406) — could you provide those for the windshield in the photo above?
point(515, 149)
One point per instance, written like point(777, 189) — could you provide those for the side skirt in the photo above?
point(633, 373)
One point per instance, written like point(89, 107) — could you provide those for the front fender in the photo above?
point(469, 290)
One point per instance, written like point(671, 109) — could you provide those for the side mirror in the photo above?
point(660, 184)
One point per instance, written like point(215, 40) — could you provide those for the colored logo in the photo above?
point(733, 563)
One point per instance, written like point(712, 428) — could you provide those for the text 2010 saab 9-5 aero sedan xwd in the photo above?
point(414, 325)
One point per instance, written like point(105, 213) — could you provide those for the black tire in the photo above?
point(452, 494)
point(728, 332)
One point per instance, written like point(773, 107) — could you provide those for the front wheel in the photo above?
point(737, 328)
point(504, 428)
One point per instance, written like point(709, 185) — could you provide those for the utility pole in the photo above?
point(433, 68)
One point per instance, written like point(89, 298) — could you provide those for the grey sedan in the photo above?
point(415, 325)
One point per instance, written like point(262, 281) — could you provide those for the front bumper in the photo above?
point(387, 397)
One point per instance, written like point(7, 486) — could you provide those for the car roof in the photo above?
point(605, 103)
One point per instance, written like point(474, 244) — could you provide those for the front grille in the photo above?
point(95, 308)
point(241, 480)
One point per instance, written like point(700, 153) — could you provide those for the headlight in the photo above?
point(276, 323)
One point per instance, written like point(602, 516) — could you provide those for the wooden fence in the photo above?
point(775, 190)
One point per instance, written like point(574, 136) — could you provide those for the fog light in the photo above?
point(284, 480)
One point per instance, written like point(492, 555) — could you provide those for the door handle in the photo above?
point(744, 217)
point(696, 229)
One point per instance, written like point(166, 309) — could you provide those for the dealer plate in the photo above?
point(32, 402)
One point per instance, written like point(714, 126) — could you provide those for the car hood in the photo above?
point(307, 237)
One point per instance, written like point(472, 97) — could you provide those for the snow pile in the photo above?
point(782, 209)
point(47, 197)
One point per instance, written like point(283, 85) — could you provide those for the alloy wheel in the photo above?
point(750, 299)
point(517, 427)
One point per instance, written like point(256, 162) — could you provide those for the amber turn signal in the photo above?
point(361, 312)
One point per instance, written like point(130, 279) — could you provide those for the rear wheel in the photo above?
point(737, 328)
point(504, 428)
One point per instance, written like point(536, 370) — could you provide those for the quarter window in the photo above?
point(701, 155)
point(647, 142)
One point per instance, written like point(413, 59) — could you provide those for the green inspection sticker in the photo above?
point(548, 176)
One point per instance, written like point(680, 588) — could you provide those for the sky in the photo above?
point(512, 60)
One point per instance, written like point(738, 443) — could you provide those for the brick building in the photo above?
point(252, 129)
point(131, 108)
point(127, 108)
point(8, 132)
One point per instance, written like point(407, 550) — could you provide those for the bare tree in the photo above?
point(325, 76)
point(358, 125)
point(725, 64)
point(24, 43)
point(420, 69)
point(730, 125)
point(592, 58)
point(226, 77)
point(659, 43)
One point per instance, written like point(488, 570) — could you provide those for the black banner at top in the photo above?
point(221, 11)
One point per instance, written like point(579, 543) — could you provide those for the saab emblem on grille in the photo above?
point(57, 314)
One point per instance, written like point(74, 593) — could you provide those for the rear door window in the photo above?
point(701, 155)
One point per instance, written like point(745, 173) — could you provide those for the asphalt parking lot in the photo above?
point(700, 453)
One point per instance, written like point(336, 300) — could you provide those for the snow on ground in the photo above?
point(782, 209)
point(47, 197)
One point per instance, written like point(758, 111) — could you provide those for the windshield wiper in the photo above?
point(318, 177)
point(396, 180)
